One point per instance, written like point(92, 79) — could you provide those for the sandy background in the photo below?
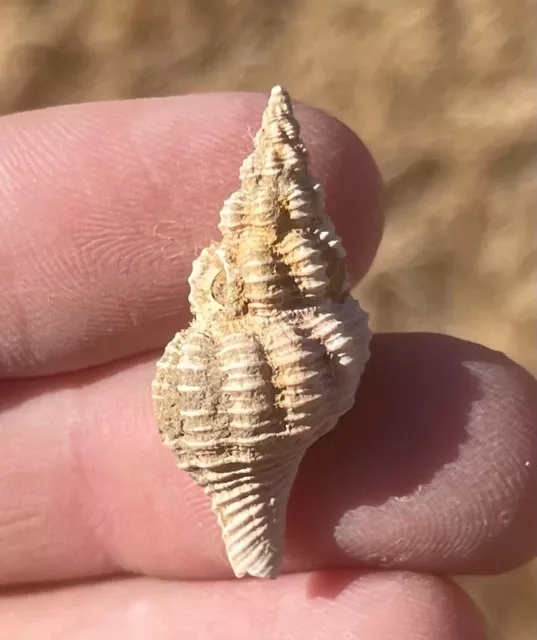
point(442, 91)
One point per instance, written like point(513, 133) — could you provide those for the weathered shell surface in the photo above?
point(274, 354)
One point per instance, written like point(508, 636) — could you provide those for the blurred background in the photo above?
point(442, 91)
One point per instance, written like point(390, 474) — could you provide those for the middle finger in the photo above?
point(441, 440)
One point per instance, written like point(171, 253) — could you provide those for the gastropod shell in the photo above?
point(275, 350)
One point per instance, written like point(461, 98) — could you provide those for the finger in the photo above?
point(436, 467)
point(313, 606)
point(432, 470)
point(104, 206)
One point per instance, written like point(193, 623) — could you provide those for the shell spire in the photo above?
point(275, 350)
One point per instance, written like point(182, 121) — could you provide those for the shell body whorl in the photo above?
point(274, 353)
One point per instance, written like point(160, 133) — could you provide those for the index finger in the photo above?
point(104, 206)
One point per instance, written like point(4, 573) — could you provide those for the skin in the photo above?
point(102, 209)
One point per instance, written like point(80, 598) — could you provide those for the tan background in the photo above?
point(442, 91)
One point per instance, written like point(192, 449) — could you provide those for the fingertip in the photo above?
point(376, 605)
point(105, 205)
point(435, 467)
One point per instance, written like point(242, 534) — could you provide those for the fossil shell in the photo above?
point(274, 353)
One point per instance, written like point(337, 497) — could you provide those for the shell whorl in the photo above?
point(292, 255)
point(275, 350)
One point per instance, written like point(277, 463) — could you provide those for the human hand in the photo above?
point(102, 209)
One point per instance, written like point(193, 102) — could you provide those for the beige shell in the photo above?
point(274, 353)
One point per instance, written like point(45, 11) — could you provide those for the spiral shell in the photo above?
point(274, 353)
